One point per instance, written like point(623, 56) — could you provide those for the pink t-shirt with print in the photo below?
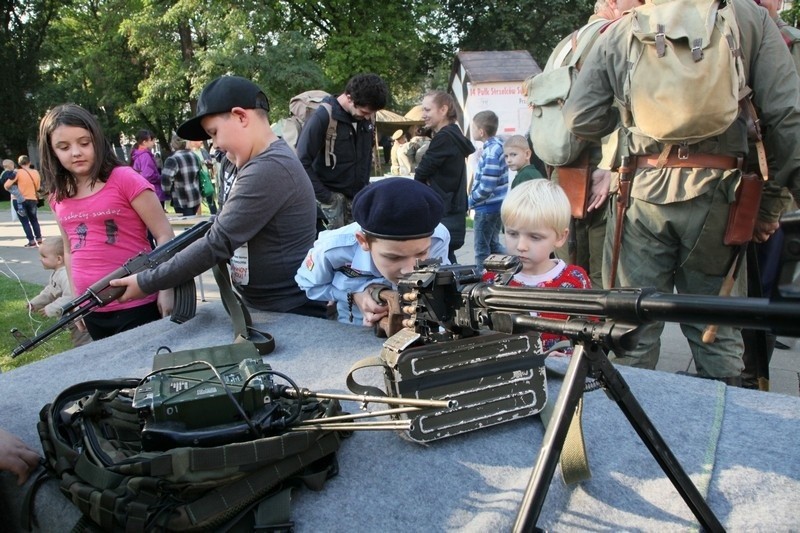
point(104, 231)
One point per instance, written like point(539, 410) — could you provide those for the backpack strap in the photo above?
point(242, 323)
point(227, 502)
point(580, 42)
point(330, 137)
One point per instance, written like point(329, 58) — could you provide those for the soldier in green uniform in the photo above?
point(587, 234)
point(676, 218)
point(763, 273)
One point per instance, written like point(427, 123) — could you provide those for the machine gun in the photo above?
point(101, 293)
point(451, 302)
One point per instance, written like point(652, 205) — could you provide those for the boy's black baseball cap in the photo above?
point(220, 96)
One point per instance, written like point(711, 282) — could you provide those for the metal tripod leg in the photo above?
point(593, 360)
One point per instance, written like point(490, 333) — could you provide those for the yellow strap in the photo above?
point(573, 460)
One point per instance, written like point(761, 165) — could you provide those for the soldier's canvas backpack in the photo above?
point(686, 74)
point(547, 92)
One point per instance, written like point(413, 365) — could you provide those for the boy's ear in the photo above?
point(240, 114)
point(562, 238)
point(362, 241)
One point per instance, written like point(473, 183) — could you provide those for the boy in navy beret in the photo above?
point(397, 221)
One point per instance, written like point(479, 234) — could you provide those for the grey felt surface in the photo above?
point(740, 447)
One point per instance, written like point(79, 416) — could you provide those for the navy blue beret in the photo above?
point(398, 209)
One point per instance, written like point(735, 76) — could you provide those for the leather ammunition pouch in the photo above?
point(744, 210)
point(576, 180)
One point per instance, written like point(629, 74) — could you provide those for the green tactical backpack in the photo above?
point(92, 440)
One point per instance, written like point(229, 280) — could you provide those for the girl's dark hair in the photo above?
point(142, 136)
point(58, 181)
point(441, 98)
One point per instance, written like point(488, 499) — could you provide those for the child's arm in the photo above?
point(491, 169)
point(149, 209)
point(42, 299)
point(61, 293)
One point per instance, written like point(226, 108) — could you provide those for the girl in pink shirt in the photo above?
point(104, 210)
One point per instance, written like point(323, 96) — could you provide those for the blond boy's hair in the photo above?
point(536, 204)
point(516, 141)
point(55, 243)
point(8, 164)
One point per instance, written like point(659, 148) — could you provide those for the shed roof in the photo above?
point(493, 66)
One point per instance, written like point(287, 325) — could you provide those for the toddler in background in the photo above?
point(9, 173)
point(57, 293)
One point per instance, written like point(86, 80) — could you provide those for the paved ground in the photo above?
point(17, 261)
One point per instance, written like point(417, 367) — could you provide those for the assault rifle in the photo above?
point(101, 293)
point(451, 302)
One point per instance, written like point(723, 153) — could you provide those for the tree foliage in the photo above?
point(142, 63)
point(533, 25)
point(89, 63)
point(24, 26)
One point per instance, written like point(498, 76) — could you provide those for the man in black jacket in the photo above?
point(339, 171)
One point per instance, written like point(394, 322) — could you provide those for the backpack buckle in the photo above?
point(661, 40)
point(697, 50)
point(683, 151)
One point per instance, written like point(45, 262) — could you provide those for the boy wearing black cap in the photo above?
point(397, 222)
point(268, 221)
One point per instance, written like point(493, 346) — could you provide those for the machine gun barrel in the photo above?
point(101, 293)
point(642, 306)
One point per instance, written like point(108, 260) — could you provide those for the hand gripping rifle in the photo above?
point(450, 302)
point(101, 293)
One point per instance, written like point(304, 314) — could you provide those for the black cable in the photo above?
point(294, 416)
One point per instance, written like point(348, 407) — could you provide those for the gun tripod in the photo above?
point(589, 359)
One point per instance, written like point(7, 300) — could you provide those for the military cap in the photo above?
point(398, 209)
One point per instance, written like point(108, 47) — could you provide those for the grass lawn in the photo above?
point(14, 314)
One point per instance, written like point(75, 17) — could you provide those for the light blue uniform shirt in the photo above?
point(337, 265)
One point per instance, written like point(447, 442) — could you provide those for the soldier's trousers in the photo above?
point(678, 246)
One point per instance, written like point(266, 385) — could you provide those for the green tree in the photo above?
point(88, 62)
point(533, 25)
point(399, 40)
point(24, 26)
point(183, 45)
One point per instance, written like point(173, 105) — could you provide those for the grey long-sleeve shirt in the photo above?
point(264, 230)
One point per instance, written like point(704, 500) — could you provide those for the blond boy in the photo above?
point(536, 218)
point(518, 153)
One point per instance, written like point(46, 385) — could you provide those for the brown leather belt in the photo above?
point(721, 162)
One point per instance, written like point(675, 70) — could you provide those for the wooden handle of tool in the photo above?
point(710, 333)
